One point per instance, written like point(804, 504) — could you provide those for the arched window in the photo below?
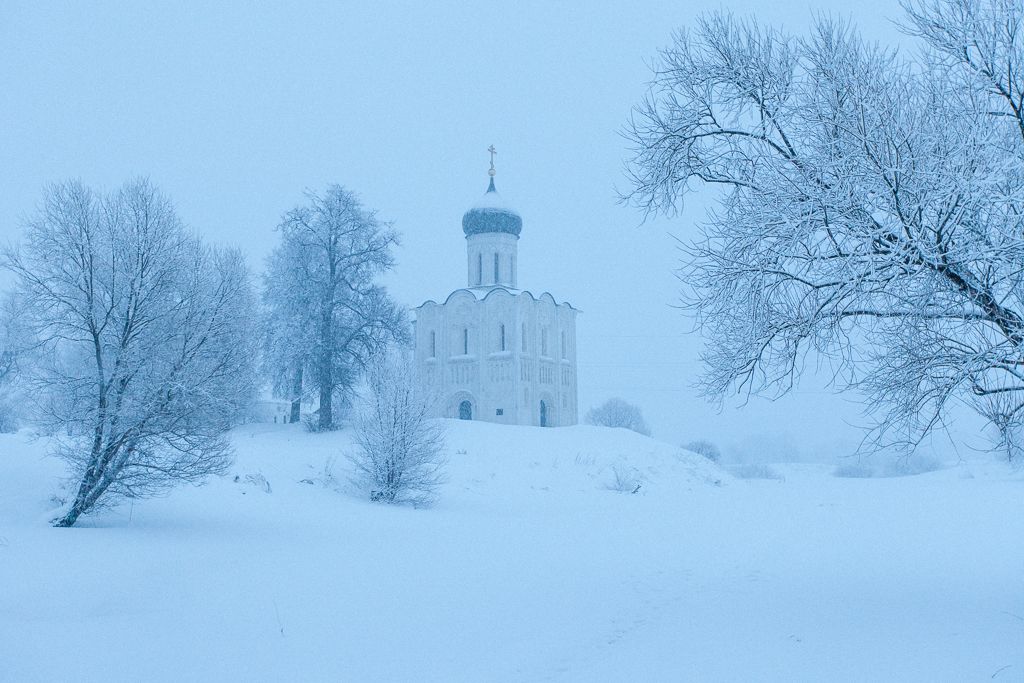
point(524, 337)
point(433, 345)
point(479, 269)
point(501, 335)
point(465, 341)
point(496, 271)
point(465, 410)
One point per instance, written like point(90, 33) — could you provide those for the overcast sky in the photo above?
point(233, 110)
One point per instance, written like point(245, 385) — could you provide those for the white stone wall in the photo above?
point(460, 357)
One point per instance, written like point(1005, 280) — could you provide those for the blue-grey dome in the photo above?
point(490, 214)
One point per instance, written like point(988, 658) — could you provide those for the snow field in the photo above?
point(533, 565)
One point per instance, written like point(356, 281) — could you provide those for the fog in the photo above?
point(235, 110)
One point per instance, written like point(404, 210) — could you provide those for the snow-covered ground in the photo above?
point(532, 566)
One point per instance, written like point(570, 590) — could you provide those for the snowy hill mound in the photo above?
point(500, 460)
point(498, 463)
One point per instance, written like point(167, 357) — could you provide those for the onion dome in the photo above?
point(491, 214)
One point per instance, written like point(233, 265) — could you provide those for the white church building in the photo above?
point(492, 351)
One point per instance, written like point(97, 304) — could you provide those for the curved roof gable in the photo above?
point(482, 294)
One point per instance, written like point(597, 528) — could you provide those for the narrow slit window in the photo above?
point(479, 269)
point(433, 345)
point(563, 345)
point(465, 341)
point(524, 337)
point(496, 270)
point(501, 334)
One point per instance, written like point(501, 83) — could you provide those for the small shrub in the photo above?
point(854, 470)
point(257, 480)
point(325, 476)
point(327, 479)
point(903, 466)
point(618, 413)
point(755, 471)
point(911, 465)
point(311, 421)
point(400, 449)
point(624, 479)
point(705, 448)
point(585, 459)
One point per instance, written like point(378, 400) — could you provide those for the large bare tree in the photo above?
point(326, 316)
point(869, 206)
point(148, 337)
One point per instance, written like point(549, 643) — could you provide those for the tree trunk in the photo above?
point(296, 414)
point(69, 519)
point(88, 492)
point(326, 416)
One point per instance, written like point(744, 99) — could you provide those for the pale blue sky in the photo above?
point(234, 108)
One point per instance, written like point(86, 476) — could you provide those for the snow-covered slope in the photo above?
point(537, 563)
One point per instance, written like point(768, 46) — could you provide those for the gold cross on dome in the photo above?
point(493, 152)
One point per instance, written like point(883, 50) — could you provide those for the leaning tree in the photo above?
point(326, 317)
point(869, 206)
point(146, 341)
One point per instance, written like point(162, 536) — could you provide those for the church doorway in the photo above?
point(543, 414)
point(465, 410)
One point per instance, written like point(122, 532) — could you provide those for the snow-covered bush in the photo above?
point(616, 412)
point(755, 471)
point(254, 479)
point(342, 416)
point(854, 470)
point(312, 422)
point(889, 467)
point(705, 448)
point(399, 456)
point(624, 479)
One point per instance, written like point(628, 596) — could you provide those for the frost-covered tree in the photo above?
point(148, 341)
point(326, 316)
point(616, 412)
point(870, 206)
point(400, 449)
point(15, 345)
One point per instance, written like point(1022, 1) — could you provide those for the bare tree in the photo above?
point(870, 206)
point(400, 456)
point(15, 346)
point(616, 412)
point(148, 339)
point(326, 316)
